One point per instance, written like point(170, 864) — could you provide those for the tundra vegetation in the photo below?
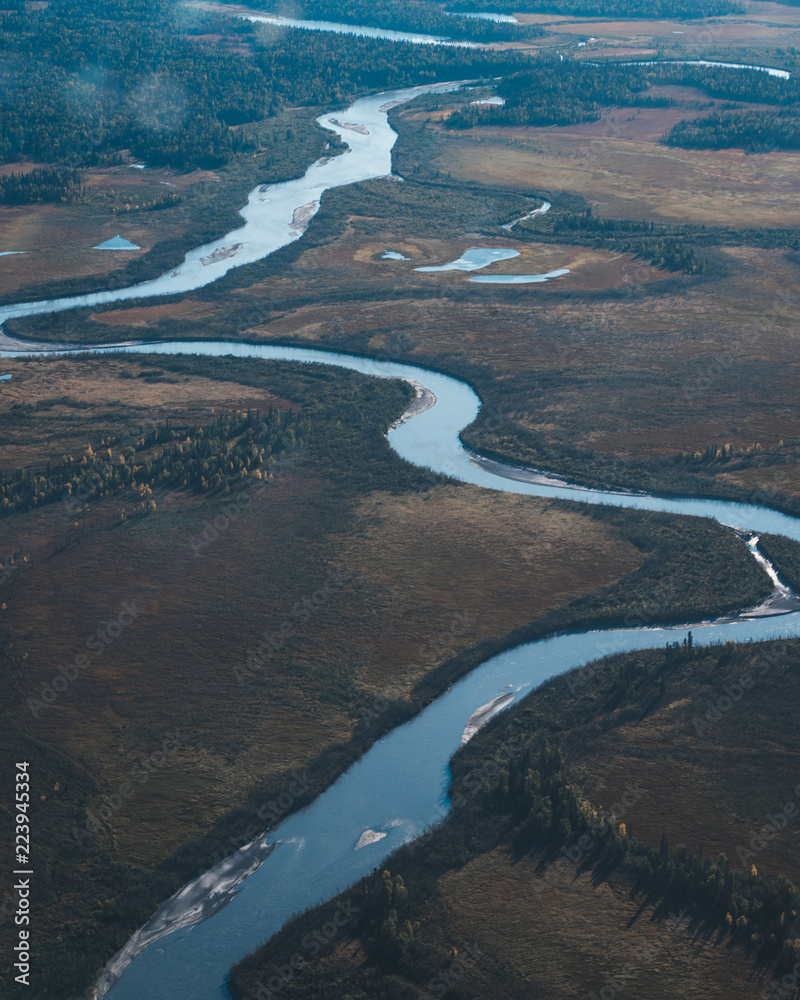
point(146, 497)
point(108, 589)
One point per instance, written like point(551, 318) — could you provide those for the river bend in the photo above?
point(400, 786)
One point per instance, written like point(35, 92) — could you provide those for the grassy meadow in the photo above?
point(234, 638)
point(622, 372)
point(284, 603)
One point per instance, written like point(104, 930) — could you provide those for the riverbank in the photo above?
point(210, 204)
point(641, 594)
point(510, 893)
point(274, 216)
point(629, 447)
point(443, 681)
point(566, 553)
point(347, 526)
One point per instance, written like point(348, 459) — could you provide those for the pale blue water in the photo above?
point(486, 16)
point(269, 215)
point(117, 243)
point(362, 31)
point(782, 73)
point(474, 259)
point(519, 279)
point(400, 786)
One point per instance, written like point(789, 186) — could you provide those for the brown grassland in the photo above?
point(58, 239)
point(579, 936)
point(620, 373)
point(628, 179)
point(440, 558)
point(607, 374)
point(402, 574)
point(402, 556)
point(764, 23)
point(504, 939)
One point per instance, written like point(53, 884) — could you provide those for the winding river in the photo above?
point(400, 787)
point(275, 214)
point(769, 70)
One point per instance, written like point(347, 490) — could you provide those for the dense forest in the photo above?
point(642, 239)
point(587, 222)
point(754, 131)
point(43, 184)
point(555, 92)
point(82, 84)
point(609, 8)
point(404, 15)
point(666, 252)
point(729, 84)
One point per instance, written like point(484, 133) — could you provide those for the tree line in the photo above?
point(642, 239)
point(533, 806)
point(545, 805)
point(753, 131)
point(556, 92)
point(211, 458)
point(42, 184)
point(686, 9)
point(729, 84)
point(513, 794)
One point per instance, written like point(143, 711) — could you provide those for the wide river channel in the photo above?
point(400, 787)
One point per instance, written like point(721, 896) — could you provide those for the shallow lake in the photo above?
point(475, 259)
